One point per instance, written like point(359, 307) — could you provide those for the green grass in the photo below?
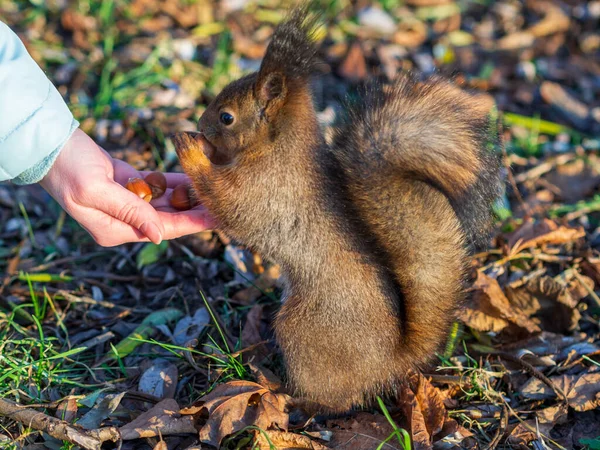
point(399, 433)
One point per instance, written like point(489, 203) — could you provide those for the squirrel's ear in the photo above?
point(271, 90)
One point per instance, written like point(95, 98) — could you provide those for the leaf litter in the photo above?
point(173, 345)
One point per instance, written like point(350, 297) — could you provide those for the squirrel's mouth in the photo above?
point(215, 156)
point(209, 150)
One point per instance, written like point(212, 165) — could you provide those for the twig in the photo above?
point(581, 212)
point(68, 259)
point(534, 373)
point(500, 431)
point(448, 379)
point(59, 429)
point(115, 277)
point(525, 255)
point(89, 301)
point(544, 167)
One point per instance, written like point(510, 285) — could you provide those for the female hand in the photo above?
point(89, 185)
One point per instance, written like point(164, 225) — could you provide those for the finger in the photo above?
point(173, 179)
point(164, 201)
point(106, 230)
point(126, 207)
point(123, 172)
point(181, 223)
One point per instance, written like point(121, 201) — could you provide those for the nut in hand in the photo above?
point(157, 182)
point(140, 188)
point(180, 197)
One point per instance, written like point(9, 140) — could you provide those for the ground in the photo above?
point(168, 346)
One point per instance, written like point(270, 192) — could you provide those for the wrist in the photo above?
point(38, 171)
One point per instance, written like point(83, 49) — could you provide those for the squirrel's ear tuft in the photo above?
point(292, 50)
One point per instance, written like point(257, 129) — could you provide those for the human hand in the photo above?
point(89, 185)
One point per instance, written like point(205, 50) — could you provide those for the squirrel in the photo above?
point(372, 230)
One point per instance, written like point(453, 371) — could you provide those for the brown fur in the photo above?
point(368, 231)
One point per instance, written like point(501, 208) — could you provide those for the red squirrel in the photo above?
point(372, 230)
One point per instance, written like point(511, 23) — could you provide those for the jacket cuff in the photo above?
point(38, 171)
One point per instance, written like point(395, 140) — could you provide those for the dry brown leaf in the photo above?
point(488, 309)
point(354, 66)
point(575, 180)
point(364, 431)
point(251, 335)
point(411, 33)
point(423, 406)
point(266, 281)
point(236, 405)
point(284, 439)
point(67, 410)
point(548, 303)
point(582, 391)
point(524, 433)
point(534, 234)
point(265, 377)
point(161, 445)
point(163, 418)
point(553, 414)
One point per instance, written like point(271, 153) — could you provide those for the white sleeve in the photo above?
point(35, 122)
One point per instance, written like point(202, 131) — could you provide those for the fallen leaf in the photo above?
point(101, 410)
point(161, 445)
point(162, 419)
point(575, 180)
point(582, 391)
point(189, 328)
point(535, 234)
point(235, 405)
point(526, 432)
point(67, 410)
point(160, 379)
point(488, 309)
point(354, 66)
point(143, 331)
point(251, 335)
point(283, 439)
point(364, 431)
point(150, 253)
point(265, 377)
point(266, 281)
point(548, 303)
point(423, 407)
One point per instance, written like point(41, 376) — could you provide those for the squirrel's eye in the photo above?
point(226, 118)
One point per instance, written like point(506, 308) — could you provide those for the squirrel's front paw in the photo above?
point(194, 151)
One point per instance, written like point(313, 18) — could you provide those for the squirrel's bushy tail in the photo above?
point(413, 182)
point(434, 132)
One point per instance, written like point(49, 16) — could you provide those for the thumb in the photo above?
point(128, 208)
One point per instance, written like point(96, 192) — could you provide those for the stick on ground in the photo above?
point(59, 429)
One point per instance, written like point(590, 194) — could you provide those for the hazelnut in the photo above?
point(140, 188)
point(180, 197)
point(157, 182)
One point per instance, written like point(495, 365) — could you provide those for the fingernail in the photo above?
point(152, 232)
